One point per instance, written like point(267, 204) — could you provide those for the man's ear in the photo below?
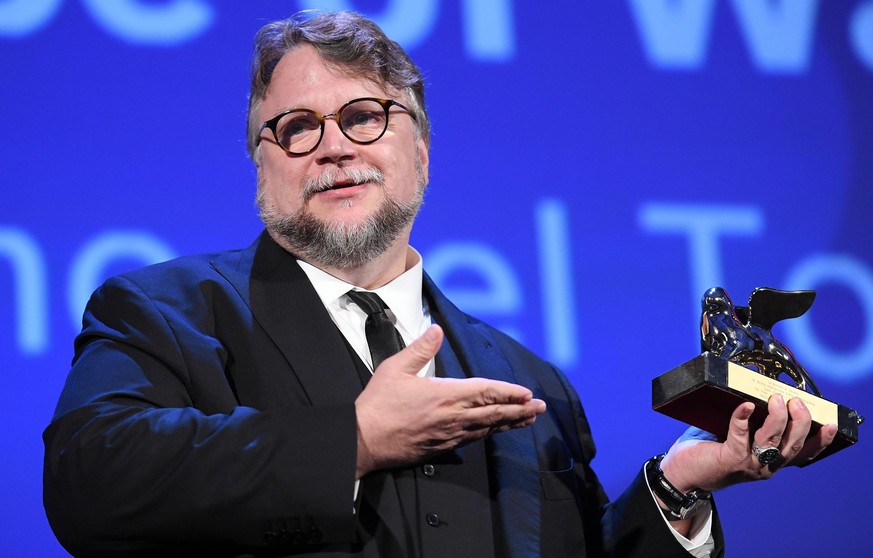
point(423, 158)
point(256, 157)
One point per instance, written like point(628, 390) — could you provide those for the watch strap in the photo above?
point(679, 504)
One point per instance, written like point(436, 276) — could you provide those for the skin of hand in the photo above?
point(403, 418)
point(694, 462)
point(698, 461)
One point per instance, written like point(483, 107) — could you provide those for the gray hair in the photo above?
point(350, 42)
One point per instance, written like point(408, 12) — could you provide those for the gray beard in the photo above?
point(334, 244)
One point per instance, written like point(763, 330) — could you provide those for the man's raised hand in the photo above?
point(403, 418)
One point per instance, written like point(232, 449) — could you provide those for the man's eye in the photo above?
point(294, 126)
point(363, 118)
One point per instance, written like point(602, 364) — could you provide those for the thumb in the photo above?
point(738, 430)
point(413, 358)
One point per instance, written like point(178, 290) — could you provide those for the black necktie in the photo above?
point(382, 337)
point(384, 341)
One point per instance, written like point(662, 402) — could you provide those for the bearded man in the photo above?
point(315, 394)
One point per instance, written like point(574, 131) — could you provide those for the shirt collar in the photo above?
point(402, 295)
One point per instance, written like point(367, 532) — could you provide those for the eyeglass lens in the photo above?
point(362, 121)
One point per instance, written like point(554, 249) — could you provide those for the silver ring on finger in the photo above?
point(765, 455)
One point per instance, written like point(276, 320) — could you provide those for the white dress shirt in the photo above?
point(403, 297)
point(408, 311)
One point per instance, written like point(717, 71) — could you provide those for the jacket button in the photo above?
point(429, 470)
point(432, 519)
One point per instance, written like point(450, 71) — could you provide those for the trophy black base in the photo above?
point(704, 392)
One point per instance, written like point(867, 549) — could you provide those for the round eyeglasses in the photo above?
point(363, 121)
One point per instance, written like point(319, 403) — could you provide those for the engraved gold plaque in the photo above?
point(704, 392)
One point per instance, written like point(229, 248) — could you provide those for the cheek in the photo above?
point(400, 173)
point(280, 181)
point(408, 174)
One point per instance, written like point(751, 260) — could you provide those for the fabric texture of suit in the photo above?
point(210, 412)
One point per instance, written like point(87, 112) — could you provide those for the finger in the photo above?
point(478, 422)
point(815, 444)
point(503, 416)
point(771, 432)
point(796, 430)
point(415, 356)
point(493, 392)
point(738, 436)
point(474, 433)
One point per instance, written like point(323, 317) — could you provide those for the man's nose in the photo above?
point(334, 144)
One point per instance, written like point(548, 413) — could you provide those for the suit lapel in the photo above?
point(284, 303)
point(511, 455)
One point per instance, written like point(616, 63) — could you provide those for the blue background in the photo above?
point(595, 166)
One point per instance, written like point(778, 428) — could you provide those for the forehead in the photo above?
point(304, 79)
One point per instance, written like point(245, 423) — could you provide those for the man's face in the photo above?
point(334, 195)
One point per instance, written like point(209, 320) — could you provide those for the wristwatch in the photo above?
point(679, 505)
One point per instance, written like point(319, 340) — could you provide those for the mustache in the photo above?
point(334, 177)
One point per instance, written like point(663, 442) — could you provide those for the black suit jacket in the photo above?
point(210, 411)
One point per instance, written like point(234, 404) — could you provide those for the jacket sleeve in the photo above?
point(149, 447)
point(631, 526)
